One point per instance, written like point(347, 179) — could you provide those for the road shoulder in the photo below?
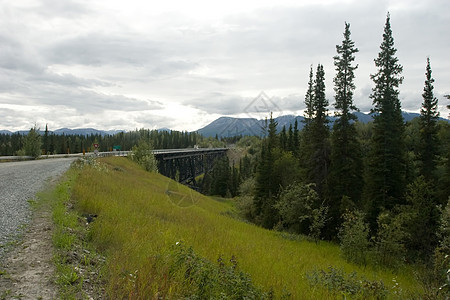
point(27, 271)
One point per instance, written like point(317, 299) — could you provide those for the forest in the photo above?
point(51, 143)
point(381, 190)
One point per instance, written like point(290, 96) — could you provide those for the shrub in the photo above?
point(354, 237)
point(301, 210)
point(205, 280)
point(337, 282)
point(142, 154)
point(389, 244)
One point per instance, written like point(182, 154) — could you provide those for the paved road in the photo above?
point(19, 183)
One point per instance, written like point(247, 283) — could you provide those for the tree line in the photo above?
point(380, 189)
point(47, 142)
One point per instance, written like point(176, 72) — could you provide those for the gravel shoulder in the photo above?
point(26, 267)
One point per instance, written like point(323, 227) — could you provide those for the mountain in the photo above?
point(228, 126)
point(164, 129)
point(67, 131)
point(85, 131)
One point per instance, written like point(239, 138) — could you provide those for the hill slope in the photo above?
point(143, 216)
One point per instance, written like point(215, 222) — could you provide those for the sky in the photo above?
point(114, 64)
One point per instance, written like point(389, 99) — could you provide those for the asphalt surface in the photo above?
point(19, 183)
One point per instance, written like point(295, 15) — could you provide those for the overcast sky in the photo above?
point(115, 64)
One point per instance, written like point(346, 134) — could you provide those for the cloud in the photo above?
point(101, 62)
point(102, 48)
point(61, 9)
point(219, 103)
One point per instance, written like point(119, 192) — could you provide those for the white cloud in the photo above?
point(114, 64)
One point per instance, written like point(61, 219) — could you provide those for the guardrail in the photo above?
point(110, 153)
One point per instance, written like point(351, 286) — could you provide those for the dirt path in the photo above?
point(27, 271)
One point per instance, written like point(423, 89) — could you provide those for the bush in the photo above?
point(142, 154)
point(344, 285)
point(245, 203)
point(205, 280)
point(389, 244)
point(301, 210)
point(354, 237)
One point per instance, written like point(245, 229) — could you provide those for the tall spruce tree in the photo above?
point(267, 186)
point(385, 182)
point(345, 178)
point(45, 141)
point(318, 162)
point(428, 148)
point(309, 99)
point(305, 150)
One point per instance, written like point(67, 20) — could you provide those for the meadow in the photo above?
point(164, 240)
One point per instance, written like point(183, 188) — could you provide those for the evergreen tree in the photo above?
point(32, 143)
point(266, 184)
point(290, 140)
point(428, 148)
point(283, 139)
point(221, 177)
point(422, 225)
point(386, 167)
point(45, 140)
point(273, 138)
point(296, 144)
point(318, 160)
point(309, 100)
point(345, 178)
point(306, 147)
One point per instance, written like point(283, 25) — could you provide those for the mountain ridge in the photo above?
point(223, 126)
point(230, 126)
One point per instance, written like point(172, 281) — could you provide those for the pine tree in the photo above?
point(266, 185)
point(45, 140)
point(296, 144)
point(309, 99)
point(345, 178)
point(428, 148)
point(272, 137)
point(32, 143)
point(386, 167)
point(306, 147)
point(283, 139)
point(318, 162)
point(422, 225)
point(290, 140)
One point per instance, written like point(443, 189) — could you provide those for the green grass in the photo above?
point(77, 264)
point(141, 217)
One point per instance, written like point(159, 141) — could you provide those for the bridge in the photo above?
point(183, 165)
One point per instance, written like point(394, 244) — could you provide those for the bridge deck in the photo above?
point(173, 153)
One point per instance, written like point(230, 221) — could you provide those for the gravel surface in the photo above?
point(19, 183)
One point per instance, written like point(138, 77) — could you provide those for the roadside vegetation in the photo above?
point(163, 240)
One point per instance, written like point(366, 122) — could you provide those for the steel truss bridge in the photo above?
point(183, 165)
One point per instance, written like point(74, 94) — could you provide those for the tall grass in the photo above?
point(141, 216)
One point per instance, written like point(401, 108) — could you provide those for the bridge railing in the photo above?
point(113, 153)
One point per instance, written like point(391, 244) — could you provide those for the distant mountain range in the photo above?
point(225, 126)
point(67, 131)
point(228, 126)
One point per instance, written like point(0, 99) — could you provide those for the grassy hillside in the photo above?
point(143, 218)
